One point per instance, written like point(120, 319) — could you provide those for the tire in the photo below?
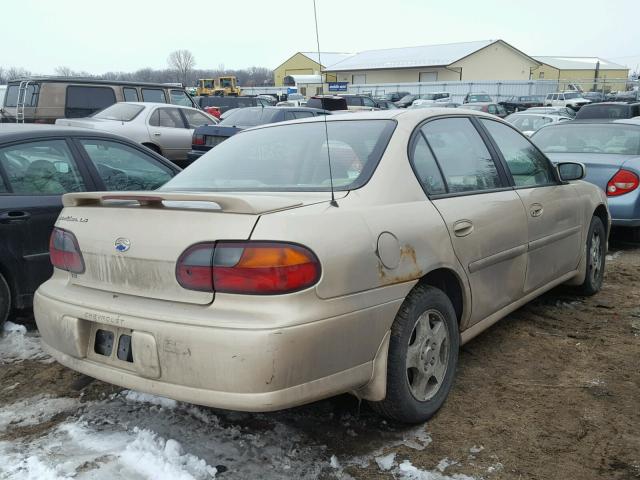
point(596, 258)
point(5, 301)
point(415, 393)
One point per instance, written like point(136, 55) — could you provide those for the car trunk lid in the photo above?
point(131, 242)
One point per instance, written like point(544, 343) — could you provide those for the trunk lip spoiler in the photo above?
point(228, 203)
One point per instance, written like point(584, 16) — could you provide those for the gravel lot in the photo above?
point(549, 392)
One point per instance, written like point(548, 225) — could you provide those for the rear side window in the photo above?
point(130, 94)
point(125, 168)
point(462, 155)
point(83, 101)
point(155, 95)
point(166, 117)
point(196, 119)
point(426, 167)
point(41, 168)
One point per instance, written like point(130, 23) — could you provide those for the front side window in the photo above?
point(367, 102)
point(83, 101)
point(155, 95)
point(528, 167)
point(462, 155)
point(124, 168)
point(291, 157)
point(41, 168)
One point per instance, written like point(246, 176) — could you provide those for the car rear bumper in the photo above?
point(249, 369)
point(625, 209)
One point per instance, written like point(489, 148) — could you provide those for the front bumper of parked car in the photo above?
point(206, 354)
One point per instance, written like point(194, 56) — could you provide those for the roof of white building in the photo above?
point(579, 63)
point(327, 58)
point(407, 57)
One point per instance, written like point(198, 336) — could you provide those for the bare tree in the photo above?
point(182, 61)
point(16, 72)
point(64, 71)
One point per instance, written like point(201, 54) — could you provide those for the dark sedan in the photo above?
point(208, 136)
point(39, 163)
point(516, 104)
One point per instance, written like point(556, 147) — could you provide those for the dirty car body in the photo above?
point(241, 285)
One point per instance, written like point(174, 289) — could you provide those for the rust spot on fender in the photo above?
point(405, 272)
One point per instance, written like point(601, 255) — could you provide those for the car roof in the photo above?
point(20, 131)
point(93, 81)
point(480, 103)
point(534, 114)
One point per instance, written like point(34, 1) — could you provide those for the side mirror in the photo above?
point(569, 171)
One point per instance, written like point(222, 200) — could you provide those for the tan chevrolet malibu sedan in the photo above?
point(241, 285)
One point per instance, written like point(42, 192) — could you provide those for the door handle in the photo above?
point(462, 228)
point(156, 134)
point(14, 216)
point(536, 210)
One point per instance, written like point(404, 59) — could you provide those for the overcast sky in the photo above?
point(125, 35)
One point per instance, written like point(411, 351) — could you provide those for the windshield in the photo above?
point(291, 157)
point(250, 117)
point(589, 138)
point(123, 112)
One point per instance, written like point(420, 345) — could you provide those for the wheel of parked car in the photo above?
point(423, 354)
point(596, 256)
point(5, 300)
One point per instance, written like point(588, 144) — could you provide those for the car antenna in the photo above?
point(333, 202)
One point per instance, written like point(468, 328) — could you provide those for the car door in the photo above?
point(36, 173)
point(553, 209)
point(168, 130)
point(484, 216)
point(122, 167)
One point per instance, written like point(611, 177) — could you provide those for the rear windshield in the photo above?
point(589, 138)
point(30, 95)
point(249, 117)
point(123, 112)
point(528, 123)
point(603, 111)
point(291, 157)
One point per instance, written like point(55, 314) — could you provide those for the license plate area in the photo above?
point(112, 345)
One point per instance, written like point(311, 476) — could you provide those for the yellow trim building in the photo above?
point(306, 63)
point(582, 71)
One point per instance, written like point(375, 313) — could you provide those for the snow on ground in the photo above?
point(16, 344)
point(140, 436)
point(34, 410)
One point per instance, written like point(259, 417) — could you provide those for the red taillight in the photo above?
point(197, 139)
point(64, 251)
point(257, 268)
point(622, 182)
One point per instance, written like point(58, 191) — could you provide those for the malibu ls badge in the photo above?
point(122, 244)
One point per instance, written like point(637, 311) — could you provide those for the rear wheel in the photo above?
point(5, 300)
point(423, 355)
point(596, 257)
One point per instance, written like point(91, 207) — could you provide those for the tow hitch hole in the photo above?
point(125, 352)
point(104, 343)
